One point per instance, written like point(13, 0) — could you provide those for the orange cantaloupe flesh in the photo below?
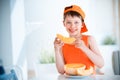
point(78, 69)
point(71, 69)
point(68, 40)
point(85, 72)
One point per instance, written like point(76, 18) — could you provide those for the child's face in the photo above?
point(73, 25)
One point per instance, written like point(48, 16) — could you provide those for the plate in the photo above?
point(69, 76)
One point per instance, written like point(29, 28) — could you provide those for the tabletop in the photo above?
point(64, 77)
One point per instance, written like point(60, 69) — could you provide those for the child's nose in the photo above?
point(72, 25)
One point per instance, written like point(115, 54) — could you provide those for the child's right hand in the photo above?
point(58, 44)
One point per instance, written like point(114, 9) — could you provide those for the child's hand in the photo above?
point(58, 44)
point(79, 43)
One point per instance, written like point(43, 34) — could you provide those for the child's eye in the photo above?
point(76, 22)
point(68, 22)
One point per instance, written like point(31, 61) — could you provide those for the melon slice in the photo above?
point(68, 40)
point(71, 69)
point(85, 72)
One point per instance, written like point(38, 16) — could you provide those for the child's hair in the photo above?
point(73, 13)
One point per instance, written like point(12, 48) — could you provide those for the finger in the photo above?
point(57, 39)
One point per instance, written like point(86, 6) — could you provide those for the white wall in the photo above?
point(100, 18)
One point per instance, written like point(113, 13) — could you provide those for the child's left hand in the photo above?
point(79, 43)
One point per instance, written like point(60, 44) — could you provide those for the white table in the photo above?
point(63, 77)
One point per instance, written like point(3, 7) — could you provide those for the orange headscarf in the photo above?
point(80, 11)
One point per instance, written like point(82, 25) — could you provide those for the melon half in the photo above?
point(72, 69)
point(78, 69)
point(85, 72)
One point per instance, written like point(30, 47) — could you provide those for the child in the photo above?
point(84, 49)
